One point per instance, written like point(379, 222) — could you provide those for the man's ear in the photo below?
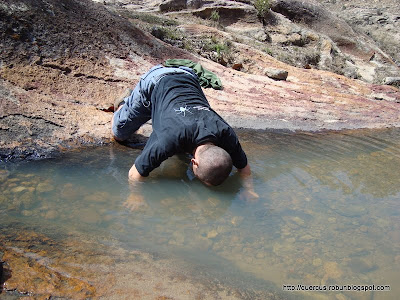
point(195, 163)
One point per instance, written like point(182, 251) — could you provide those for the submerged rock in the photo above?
point(361, 265)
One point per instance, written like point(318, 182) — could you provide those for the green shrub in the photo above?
point(215, 16)
point(262, 7)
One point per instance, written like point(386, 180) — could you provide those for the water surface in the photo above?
point(328, 212)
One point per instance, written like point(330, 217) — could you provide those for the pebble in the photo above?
point(236, 221)
point(51, 214)
point(299, 221)
point(26, 213)
point(260, 255)
point(277, 74)
point(18, 189)
point(317, 262)
point(212, 234)
point(306, 238)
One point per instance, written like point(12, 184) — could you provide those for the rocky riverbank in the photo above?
point(64, 62)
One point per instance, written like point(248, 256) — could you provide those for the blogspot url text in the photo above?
point(335, 287)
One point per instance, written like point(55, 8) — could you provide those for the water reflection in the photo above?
point(328, 211)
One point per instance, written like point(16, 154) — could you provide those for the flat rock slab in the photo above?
point(54, 99)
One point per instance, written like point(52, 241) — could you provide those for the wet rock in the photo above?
point(276, 74)
point(27, 213)
point(98, 197)
point(332, 271)
point(260, 255)
point(18, 189)
point(298, 221)
point(351, 211)
point(237, 220)
point(341, 297)
point(71, 191)
point(44, 187)
point(202, 243)
point(178, 238)
point(27, 198)
point(212, 234)
point(361, 265)
point(51, 215)
point(89, 216)
point(306, 238)
point(317, 262)
point(3, 175)
point(29, 276)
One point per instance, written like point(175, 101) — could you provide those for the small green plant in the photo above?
point(215, 16)
point(268, 51)
point(262, 7)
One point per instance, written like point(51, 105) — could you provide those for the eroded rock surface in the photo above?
point(64, 62)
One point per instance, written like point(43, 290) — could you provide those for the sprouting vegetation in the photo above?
point(262, 7)
point(215, 16)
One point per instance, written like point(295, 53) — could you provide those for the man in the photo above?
point(182, 121)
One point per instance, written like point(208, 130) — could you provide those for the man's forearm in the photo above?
point(247, 181)
point(245, 172)
point(134, 175)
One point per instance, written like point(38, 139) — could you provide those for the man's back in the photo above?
point(183, 119)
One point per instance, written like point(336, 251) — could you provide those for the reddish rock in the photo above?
point(55, 98)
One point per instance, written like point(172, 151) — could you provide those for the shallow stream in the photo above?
point(328, 213)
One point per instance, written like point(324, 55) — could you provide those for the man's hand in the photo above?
point(135, 199)
point(134, 202)
point(248, 194)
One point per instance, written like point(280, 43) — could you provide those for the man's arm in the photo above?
point(135, 199)
point(134, 175)
point(247, 179)
point(245, 172)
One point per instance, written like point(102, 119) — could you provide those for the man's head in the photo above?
point(211, 164)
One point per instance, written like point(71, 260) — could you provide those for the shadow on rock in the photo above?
point(5, 274)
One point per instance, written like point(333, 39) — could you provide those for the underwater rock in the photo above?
point(361, 265)
point(3, 175)
point(298, 221)
point(351, 210)
point(317, 262)
point(212, 234)
point(260, 255)
point(332, 271)
point(88, 215)
point(306, 238)
point(51, 215)
point(97, 197)
point(44, 187)
point(3, 199)
point(18, 189)
point(70, 191)
point(237, 220)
